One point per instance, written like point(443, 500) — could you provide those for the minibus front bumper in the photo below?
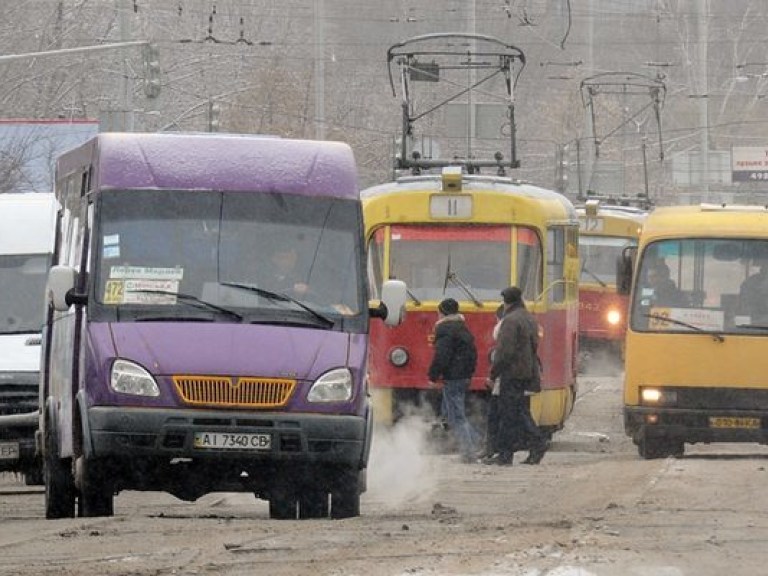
point(208, 434)
point(696, 425)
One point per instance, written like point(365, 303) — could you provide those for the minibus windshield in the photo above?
point(160, 250)
point(22, 285)
point(702, 284)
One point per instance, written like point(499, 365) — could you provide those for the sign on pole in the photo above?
point(749, 163)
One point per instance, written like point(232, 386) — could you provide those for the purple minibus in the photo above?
point(207, 324)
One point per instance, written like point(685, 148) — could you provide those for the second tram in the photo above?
point(604, 232)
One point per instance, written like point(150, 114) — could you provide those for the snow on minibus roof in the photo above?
point(706, 220)
point(213, 161)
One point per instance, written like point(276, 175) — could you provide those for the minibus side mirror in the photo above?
point(61, 288)
point(624, 266)
point(392, 306)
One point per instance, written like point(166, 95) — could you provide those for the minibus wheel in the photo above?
point(313, 503)
point(59, 489)
point(345, 495)
point(651, 448)
point(96, 496)
point(282, 505)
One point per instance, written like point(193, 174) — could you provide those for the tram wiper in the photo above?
point(454, 277)
point(194, 300)
point(592, 274)
point(412, 296)
point(715, 335)
point(280, 298)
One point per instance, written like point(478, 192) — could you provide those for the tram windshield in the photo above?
point(599, 255)
point(461, 262)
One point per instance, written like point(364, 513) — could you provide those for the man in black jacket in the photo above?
point(454, 362)
point(516, 364)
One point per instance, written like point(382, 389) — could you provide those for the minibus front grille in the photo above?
point(715, 398)
point(225, 392)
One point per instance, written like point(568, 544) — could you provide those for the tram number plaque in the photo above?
point(450, 206)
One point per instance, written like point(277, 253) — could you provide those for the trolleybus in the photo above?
point(698, 329)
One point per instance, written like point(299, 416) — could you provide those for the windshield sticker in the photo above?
point(146, 273)
point(141, 292)
point(112, 246)
point(698, 318)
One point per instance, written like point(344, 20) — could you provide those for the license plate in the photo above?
point(9, 450)
point(733, 422)
point(228, 441)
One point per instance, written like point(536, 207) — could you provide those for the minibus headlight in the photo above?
point(658, 396)
point(398, 357)
point(333, 386)
point(130, 378)
point(613, 317)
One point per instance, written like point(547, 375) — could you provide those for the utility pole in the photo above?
point(126, 88)
point(703, 94)
point(320, 69)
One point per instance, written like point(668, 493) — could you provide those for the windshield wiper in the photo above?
point(753, 326)
point(451, 276)
point(280, 298)
point(717, 336)
point(454, 277)
point(412, 296)
point(592, 274)
point(188, 298)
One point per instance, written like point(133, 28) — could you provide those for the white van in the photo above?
point(27, 230)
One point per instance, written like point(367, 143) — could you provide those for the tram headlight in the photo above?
point(398, 356)
point(613, 317)
point(658, 396)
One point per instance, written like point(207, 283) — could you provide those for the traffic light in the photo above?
point(151, 71)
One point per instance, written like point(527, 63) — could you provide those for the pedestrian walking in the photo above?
point(454, 362)
point(492, 414)
point(516, 365)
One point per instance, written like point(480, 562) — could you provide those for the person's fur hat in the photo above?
point(512, 295)
point(448, 306)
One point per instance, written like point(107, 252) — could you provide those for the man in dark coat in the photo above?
point(454, 362)
point(516, 364)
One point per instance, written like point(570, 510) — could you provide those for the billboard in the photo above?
point(749, 163)
point(29, 148)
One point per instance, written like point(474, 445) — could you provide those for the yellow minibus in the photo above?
point(698, 328)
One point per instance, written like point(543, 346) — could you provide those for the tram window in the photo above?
point(528, 263)
point(376, 262)
point(556, 264)
point(451, 261)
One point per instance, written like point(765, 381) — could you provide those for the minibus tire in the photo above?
point(313, 503)
point(652, 448)
point(282, 505)
point(345, 495)
point(59, 488)
point(96, 496)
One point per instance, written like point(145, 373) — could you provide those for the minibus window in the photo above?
point(712, 285)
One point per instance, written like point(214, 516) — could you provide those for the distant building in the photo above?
point(28, 150)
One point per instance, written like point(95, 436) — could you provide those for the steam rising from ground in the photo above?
point(402, 467)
